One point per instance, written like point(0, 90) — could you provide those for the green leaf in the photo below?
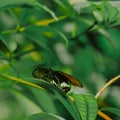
point(43, 34)
point(63, 3)
point(43, 116)
point(60, 3)
point(47, 10)
point(67, 10)
point(87, 106)
point(107, 14)
point(11, 3)
point(112, 12)
point(51, 100)
point(82, 25)
point(8, 43)
point(115, 111)
point(98, 16)
point(36, 35)
point(37, 38)
point(8, 3)
point(62, 35)
point(46, 101)
point(107, 35)
point(62, 98)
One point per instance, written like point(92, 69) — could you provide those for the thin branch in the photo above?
point(18, 80)
point(100, 113)
point(107, 85)
point(103, 115)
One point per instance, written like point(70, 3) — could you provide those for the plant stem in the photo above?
point(100, 113)
point(103, 115)
point(107, 85)
point(18, 80)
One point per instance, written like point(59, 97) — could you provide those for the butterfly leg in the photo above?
point(57, 81)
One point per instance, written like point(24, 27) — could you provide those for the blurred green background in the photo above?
point(55, 34)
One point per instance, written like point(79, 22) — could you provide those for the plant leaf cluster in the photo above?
point(82, 42)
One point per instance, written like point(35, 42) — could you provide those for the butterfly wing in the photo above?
point(58, 76)
point(64, 77)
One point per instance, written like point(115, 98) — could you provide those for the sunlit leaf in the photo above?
point(87, 106)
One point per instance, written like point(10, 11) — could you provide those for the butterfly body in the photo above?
point(56, 77)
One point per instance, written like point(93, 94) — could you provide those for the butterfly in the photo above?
point(58, 78)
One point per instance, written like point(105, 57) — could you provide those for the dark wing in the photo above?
point(64, 77)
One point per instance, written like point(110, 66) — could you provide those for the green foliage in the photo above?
point(42, 116)
point(83, 42)
point(112, 110)
point(87, 106)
